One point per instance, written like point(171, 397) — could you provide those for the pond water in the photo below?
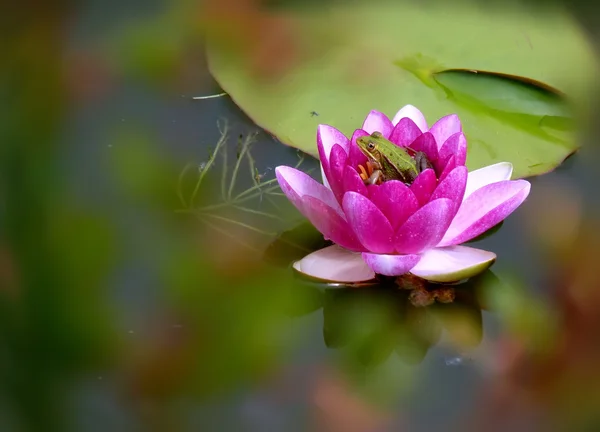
point(200, 337)
point(445, 381)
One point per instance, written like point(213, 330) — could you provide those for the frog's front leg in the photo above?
point(422, 162)
point(375, 173)
point(374, 178)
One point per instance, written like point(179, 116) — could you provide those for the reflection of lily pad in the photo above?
point(398, 61)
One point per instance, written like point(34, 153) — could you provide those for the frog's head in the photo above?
point(369, 145)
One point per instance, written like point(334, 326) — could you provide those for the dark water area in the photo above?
point(122, 142)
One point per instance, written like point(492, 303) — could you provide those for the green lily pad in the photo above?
point(504, 72)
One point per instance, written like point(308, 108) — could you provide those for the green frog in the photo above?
point(391, 162)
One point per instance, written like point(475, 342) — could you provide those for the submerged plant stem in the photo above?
point(209, 96)
point(224, 177)
point(228, 234)
point(245, 146)
point(242, 224)
point(184, 171)
point(209, 163)
point(257, 212)
point(227, 203)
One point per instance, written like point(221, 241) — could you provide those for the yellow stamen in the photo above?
point(365, 174)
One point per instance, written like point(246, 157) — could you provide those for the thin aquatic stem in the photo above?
point(254, 188)
point(233, 202)
point(272, 202)
point(182, 174)
point(245, 147)
point(209, 96)
point(224, 177)
point(228, 234)
point(242, 224)
point(300, 160)
point(257, 212)
point(209, 163)
point(253, 170)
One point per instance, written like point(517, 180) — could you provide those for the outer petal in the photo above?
point(372, 228)
point(296, 185)
point(426, 143)
point(395, 200)
point(324, 177)
point(488, 175)
point(485, 208)
point(330, 224)
point(411, 112)
point(452, 263)
point(405, 132)
point(356, 156)
point(378, 122)
point(390, 265)
point(327, 137)
point(337, 165)
point(335, 264)
point(444, 128)
point(455, 145)
point(424, 185)
point(353, 182)
point(425, 228)
point(452, 187)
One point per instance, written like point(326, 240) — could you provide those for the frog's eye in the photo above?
point(371, 146)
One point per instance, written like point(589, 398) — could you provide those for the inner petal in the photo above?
point(369, 224)
point(395, 200)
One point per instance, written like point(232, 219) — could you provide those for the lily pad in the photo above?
point(513, 109)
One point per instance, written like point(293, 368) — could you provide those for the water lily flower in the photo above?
point(392, 228)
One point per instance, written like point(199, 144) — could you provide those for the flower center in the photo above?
point(365, 173)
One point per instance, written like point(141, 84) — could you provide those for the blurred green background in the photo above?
point(134, 293)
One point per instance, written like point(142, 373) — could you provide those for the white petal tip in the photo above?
point(334, 264)
point(454, 263)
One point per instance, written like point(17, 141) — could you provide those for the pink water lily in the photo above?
point(393, 228)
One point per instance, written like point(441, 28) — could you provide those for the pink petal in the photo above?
point(390, 265)
point(424, 185)
point(426, 143)
point(353, 182)
point(455, 145)
point(378, 122)
point(327, 137)
point(444, 127)
point(330, 224)
point(425, 228)
point(411, 112)
point(356, 156)
point(446, 168)
point(372, 228)
point(485, 208)
point(395, 200)
point(296, 185)
point(453, 187)
point(338, 160)
point(451, 264)
point(324, 177)
point(405, 132)
point(335, 264)
point(487, 175)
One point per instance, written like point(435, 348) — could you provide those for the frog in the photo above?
point(390, 161)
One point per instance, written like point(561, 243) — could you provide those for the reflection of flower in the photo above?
point(372, 323)
point(393, 228)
